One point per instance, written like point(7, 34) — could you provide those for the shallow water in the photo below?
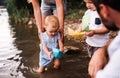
point(19, 53)
point(19, 49)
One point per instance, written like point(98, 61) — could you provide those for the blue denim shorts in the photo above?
point(49, 8)
point(91, 50)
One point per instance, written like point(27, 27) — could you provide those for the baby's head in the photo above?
point(90, 5)
point(51, 25)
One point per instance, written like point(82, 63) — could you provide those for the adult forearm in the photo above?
point(37, 14)
point(38, 21)
point(60, 12)
point(61, 46)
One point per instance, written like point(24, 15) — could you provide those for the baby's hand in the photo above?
point(78, 31)
point(49, 54)
point(90, 33)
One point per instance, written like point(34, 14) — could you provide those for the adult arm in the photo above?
point(111, 70)
point(61, 46)
point(98, 60)
point(60, 14)
point(37, 14)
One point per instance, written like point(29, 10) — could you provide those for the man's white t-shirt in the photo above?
point(112, 69)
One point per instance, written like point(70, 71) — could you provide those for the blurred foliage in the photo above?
point(75, 9)
point(17, 5)
point(19, 9)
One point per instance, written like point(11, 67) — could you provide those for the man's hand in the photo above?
point(97, 62)
point(61, 29)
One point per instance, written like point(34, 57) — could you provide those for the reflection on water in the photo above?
point(19, 49)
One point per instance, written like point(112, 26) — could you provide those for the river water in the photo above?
point(19, 49)
point(19, 53)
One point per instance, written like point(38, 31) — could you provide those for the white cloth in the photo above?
point(96, 40)
point(112, 69)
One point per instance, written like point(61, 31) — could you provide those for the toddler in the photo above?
point(50, 39)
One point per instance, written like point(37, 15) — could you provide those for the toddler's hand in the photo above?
point(90, 33)
point(78, 31)
point(49, 54)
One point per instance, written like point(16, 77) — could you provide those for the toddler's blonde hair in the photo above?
point(52, 21)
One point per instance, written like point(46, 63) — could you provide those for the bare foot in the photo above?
point(57, 67)
point(41, 70)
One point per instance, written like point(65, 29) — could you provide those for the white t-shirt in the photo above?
point(112, 69)
point(96, 40)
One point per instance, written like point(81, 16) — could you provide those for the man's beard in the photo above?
point(109, 25)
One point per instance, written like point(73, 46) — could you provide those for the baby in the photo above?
point(50, 39)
